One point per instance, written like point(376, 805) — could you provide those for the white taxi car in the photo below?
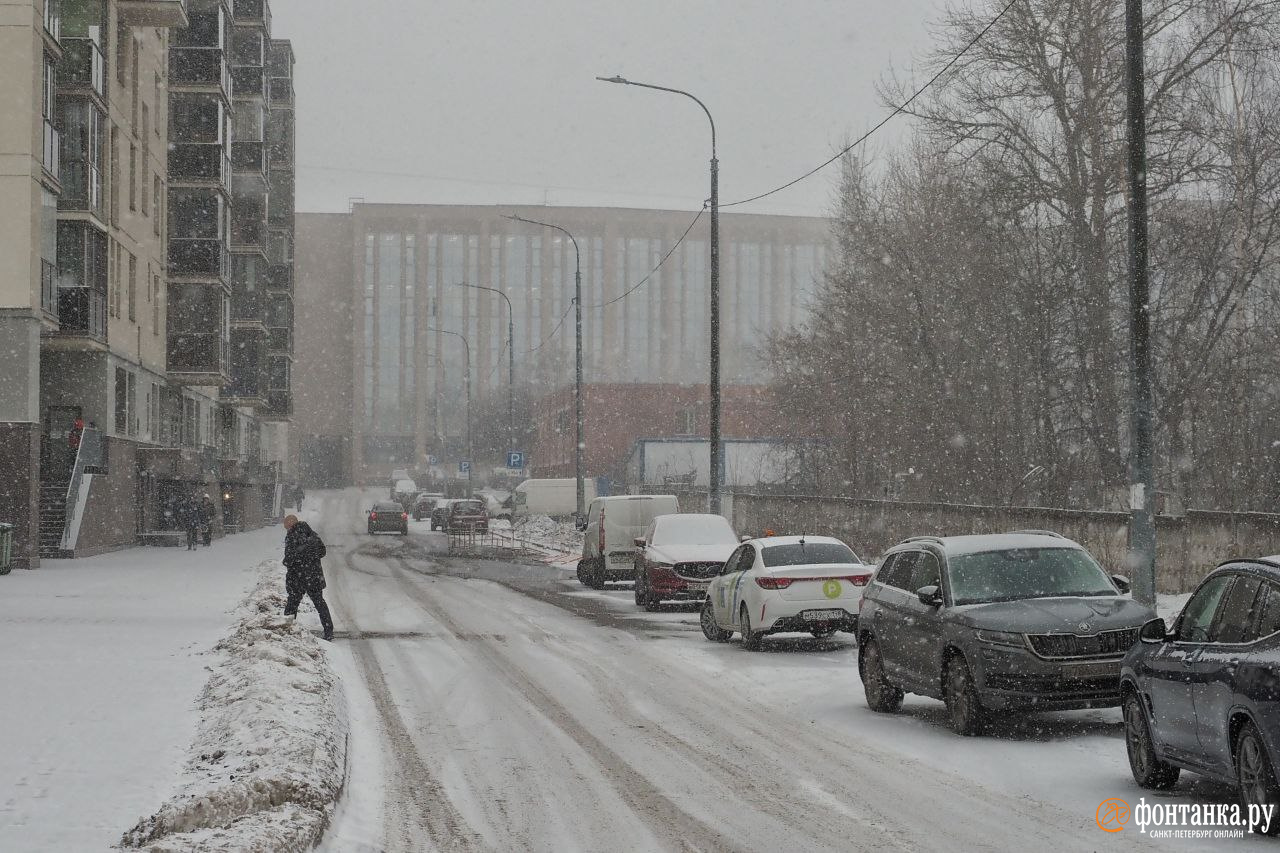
point(809, 584)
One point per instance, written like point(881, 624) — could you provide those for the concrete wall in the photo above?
point(20, 490)
point(111, 513)
point(1187, 547)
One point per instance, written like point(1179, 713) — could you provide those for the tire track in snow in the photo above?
point(665, 818)
point(432, 810)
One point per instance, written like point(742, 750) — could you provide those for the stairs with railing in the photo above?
point(53, 517)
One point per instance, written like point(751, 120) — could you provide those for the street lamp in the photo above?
point(511, 361)
point(577, 385)
point(466, 346)
point(716, 460)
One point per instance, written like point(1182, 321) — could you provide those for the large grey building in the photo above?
point(380, 383)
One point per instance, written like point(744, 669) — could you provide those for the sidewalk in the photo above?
point(100, 669)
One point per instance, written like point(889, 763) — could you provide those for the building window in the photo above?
point(122, 50)
point(82, 154)
point(155, 305)
point(122, 401)
point(157, 190)
point(115, 176)
point(133, 288)
point(133, 177)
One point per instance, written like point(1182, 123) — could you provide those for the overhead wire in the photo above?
point(896, 111)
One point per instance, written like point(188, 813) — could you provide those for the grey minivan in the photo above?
point(1015, 621)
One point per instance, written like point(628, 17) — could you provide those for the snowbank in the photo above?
point(546, 531)
point(269, 758)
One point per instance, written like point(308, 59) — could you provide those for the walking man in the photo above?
point(298, 496)
point(189, 516)
point(303, 550)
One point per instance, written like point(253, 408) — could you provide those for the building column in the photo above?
point(20, 433)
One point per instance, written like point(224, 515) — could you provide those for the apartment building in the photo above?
point(121, 409)
point(380, 382)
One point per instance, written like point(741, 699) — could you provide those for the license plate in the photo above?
point(697, 586)
point(620, 558)
point(822, 615)
point(1094, 670)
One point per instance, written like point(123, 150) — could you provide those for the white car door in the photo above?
point(721, 588)
point(734, 581)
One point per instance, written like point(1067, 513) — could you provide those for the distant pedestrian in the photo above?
point(189, 517)
point(206, 519)
point(304, 575)
point(77, 432)
point(298, 496)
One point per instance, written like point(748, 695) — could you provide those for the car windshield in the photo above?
point(467, 506)
point(694, 530)
point(386, 507)
point(1026, 573)
point(808, 553)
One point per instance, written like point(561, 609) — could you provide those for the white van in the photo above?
point(556, 498)
point(609, 538)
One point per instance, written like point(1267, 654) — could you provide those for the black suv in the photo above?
point(1205, 695)
point(1013, 621)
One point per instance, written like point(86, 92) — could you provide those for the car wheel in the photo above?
point(652, 602)
point(595, 575)
point(1148, 770)
point(882, 696)
point(968, 717)
point(584, 573)
point(710, 629)
point(1258, 788)
point(750, 639)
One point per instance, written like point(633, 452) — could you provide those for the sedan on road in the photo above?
point(423, 505)
point(806, 584)
point(388, 517)
point(1205, 696)
point(679, 555)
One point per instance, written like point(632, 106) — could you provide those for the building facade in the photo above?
point(412, 274)
point(114, 406)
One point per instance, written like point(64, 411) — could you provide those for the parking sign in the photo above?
point(515, 460)
point(464, 466)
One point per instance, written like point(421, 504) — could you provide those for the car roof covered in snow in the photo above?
point(981, 543)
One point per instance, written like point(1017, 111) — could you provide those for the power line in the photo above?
point(664, 259)
point(896, 110)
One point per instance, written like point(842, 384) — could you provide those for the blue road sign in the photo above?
point(433, 460)
point(464, 466)
point(515, 460)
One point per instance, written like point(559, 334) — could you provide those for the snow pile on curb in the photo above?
point(546, 531)
point(269, 759)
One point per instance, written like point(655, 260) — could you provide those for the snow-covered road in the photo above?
point(503, 707)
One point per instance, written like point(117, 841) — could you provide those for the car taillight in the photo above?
point(773, 583)
point(856, 580)
point(373, 516)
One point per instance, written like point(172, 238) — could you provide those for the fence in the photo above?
point(6, 548)
point(1188, 546)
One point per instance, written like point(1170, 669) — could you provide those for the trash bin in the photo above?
point(6, 548)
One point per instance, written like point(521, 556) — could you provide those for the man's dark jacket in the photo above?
point(303, 549)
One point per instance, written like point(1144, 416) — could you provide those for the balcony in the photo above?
point(279, 405)
point(199, 258)
point(53, 19)
point(249, 157)
point(252, 12)
point(154, 13)
point(82, 313)
point(247, 232)
point(52, 149)
point(280, 278)
point(248, 384)
point(198, 358)
point(248, 81)
point(81, 188)
point(205, 67)
point(83, 68)
point(281, 93)
point(198, 162)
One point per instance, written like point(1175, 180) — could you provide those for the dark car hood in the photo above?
point(1055, 615)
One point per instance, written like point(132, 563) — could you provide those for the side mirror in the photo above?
point(639, 541)
point(581, 526)
point(930, 596)
point(744, 538)
point(1154, 631)
point(1122, 583)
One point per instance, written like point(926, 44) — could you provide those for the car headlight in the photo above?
point(1001, 638)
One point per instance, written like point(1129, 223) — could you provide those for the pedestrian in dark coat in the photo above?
point(304, 575)
point(189, 518)
point(298, 496)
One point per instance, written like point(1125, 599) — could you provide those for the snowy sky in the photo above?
point(491, 101)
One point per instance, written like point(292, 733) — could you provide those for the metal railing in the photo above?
point(91, 454)
point(52, 148)
point(48, 288)
point(6, 548)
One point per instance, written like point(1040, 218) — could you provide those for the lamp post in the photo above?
point(1142, 529)
point(717, 462)
point(511, 362)
point(577, 383)
point(466, 346)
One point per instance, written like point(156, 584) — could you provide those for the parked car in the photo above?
point(467, 515)
point(779, 584)
point(423, 504)
point(1024, 621)
point(1205, 696)
point(609, 535)
point(440, 514)
point(678, 555)
point(388, 517)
